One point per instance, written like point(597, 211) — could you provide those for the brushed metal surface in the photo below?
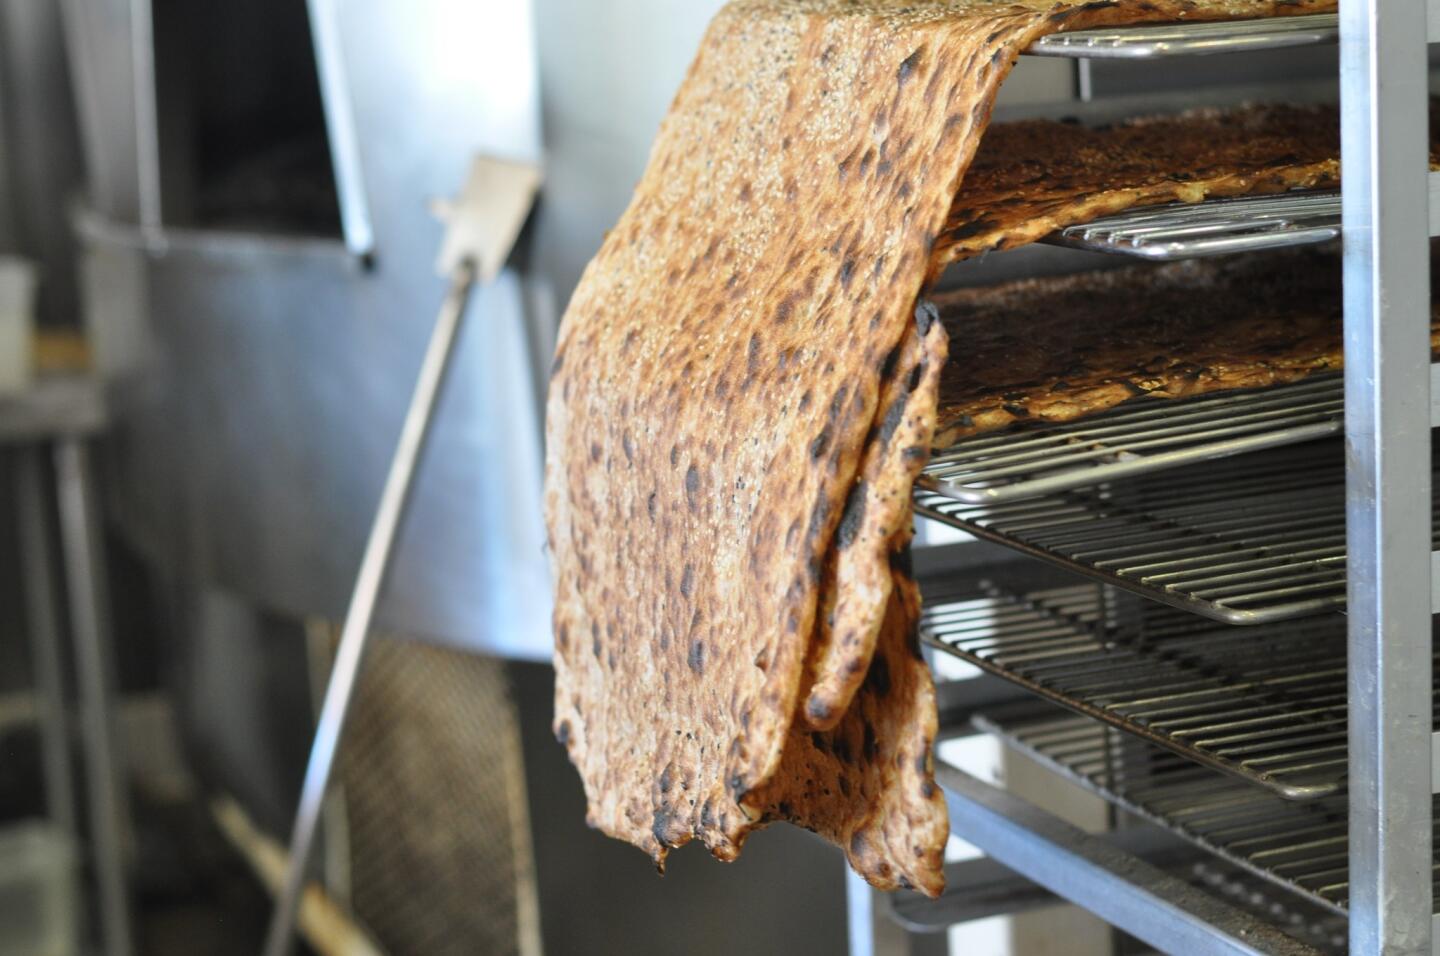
point(260, 381)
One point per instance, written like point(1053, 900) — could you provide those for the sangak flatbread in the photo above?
point(876, 521)
point(716, 389)
point(1031, 178)
point(1057, 349)
point(868, 785)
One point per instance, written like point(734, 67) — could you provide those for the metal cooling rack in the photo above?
point(1248, 540)
point(1300, 846)
point(1141, 436)
point(1215, 227)
point(1266, 705)
point(1191, 39)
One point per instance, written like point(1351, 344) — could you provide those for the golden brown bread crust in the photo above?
point(1057, 349)
point(1031, 178)
point(876, 522)
point(867, 784)
point(717, 375)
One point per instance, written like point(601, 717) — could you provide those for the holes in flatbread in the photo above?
point(926, 315)
point(887, 367)
point(821, 442)
point(692, 487)
point(907, 67)
point(853, 516)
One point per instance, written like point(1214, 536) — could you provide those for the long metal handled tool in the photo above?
point(483, 226)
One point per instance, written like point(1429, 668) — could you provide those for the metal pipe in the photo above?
point(90, 629)
point(369, 583)
point(1384, 151)
point(44, 633)
point(147, 117)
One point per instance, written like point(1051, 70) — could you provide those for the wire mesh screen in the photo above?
point(432, 815)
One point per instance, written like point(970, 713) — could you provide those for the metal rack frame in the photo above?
point(1191, 39)
point(1266, 706)
point(1244, 541)
point(46, 433)
point(1215, 227)
point(1389, 210)
point(1139, 437)
point(1388, 415)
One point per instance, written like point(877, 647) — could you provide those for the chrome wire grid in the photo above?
point(1139, 437)
point(434, 822)
point(1301, 846)
point(1215, 227)
point(1248, 540)
point(1191, 39)
point(1266, 704)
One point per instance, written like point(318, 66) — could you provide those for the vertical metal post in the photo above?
point(340, 125)
point(44, 634)
point(859, 915)
point(90, 628)
point(147, 115)
point(872, 931)
point(1384, 155)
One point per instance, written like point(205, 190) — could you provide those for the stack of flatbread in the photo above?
point(745, 388)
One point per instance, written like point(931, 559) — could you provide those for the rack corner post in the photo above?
point(1384, 150)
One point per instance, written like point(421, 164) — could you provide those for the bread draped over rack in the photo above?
point(744, 390)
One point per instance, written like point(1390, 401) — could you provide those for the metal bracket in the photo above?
point(981, 888)
point(1115, 885)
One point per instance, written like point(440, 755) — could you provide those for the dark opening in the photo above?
point(242, 128)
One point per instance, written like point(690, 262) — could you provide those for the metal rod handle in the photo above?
point(374, 566)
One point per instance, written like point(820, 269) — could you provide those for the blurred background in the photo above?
point(216, 284)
